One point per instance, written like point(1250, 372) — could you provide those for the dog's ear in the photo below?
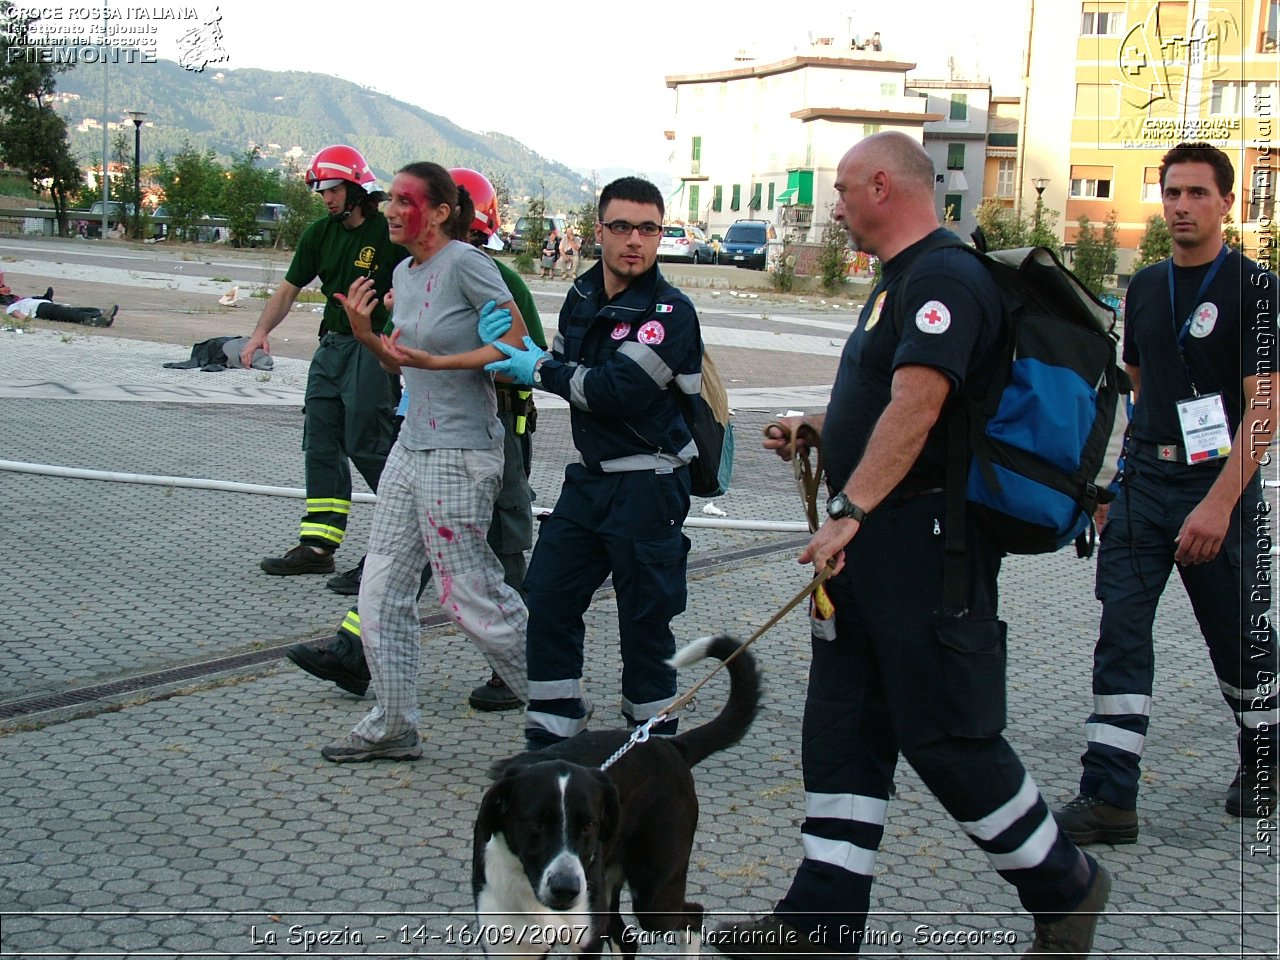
point(488, 821)
point(499, 768)
point(610, 808)
point(492, 809)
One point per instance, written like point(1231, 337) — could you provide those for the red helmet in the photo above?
point(338, 164)
point(483, 196)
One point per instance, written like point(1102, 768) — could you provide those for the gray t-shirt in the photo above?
point(437, 307)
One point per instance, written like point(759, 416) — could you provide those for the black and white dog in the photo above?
point(557, 838)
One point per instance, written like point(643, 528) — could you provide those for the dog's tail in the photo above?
point(731, 724)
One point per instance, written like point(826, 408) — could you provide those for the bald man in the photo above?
point(893, 673)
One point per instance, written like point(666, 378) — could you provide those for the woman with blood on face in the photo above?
point(436, 497)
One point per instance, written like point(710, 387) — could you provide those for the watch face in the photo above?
point(837, 505)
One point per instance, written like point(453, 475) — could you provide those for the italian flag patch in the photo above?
point(663, 308)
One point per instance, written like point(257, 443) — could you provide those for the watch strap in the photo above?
point(850, 509)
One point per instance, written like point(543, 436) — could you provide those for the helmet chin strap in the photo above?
point(353, 201)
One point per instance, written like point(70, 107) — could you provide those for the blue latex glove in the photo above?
point(519, 363)
point(494, 322)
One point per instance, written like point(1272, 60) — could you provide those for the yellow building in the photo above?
point(1149, 74)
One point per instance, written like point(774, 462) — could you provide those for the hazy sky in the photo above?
point(581, 82)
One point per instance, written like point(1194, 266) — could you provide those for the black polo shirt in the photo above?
point(1231, 337)
point(934, 307)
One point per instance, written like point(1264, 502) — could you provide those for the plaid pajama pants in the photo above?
point(434, 506)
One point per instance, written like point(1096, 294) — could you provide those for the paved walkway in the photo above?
point(167, 797)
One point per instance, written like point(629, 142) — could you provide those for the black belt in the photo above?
point(898, 497)
point(509, 401)
point(1171, 452)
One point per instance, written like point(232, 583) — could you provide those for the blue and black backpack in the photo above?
point(1025, 455)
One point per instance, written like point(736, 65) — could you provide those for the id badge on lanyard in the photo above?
point(1206, 432)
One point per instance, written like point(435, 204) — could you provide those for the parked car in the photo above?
point(684, 244)
point(119, 214)
point(746, 244)
point(516, 240)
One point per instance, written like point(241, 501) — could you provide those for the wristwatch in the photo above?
point(840, 506)
point(537, 372)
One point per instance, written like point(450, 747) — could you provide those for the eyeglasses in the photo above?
point(623, 228)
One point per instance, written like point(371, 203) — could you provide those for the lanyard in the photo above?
point(1186, 324)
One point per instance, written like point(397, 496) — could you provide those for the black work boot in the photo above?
point(1089, 819)
point(493, 695)
point(339, 659)
point(1252, 793)
point(301, 559)
point(347, 583)
point(1072, 933)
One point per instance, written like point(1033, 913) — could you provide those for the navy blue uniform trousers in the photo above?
point(627, 525)
point(1134, 563)
point(897, 677)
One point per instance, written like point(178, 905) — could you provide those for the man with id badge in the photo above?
point(1199, 338)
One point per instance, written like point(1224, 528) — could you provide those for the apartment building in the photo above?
point(762, 140)
point(974, 147)
point(1146, 75)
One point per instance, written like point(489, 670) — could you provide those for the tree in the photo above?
point(33, 137)
point(1002, 228)
point(1231, 234)
point(1109, 244)
point(301, 205)
point(1044, 228)
point(246, 191)
point(192, 184)
point(782, 272)
point(502, 190)
point(1095, 253)
point(535, 232)
point(1005, 230)
point(123, 188)
point(584, 224)
point(831, 261)
point(1156, 243)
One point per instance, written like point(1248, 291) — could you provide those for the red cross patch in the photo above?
point(1204, 319)
point(933, 317)
point(652, 333)
point(620, 330)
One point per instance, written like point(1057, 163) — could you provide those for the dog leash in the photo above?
point(643, 732)
point(807, 467)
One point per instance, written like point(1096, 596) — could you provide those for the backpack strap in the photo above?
point(955, 584)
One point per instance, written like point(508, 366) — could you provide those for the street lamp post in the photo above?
point(136, 116)
point(1039, 183)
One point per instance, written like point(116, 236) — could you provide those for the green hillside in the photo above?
point(228, 110)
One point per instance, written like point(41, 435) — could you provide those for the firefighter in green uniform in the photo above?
point(350, 400)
